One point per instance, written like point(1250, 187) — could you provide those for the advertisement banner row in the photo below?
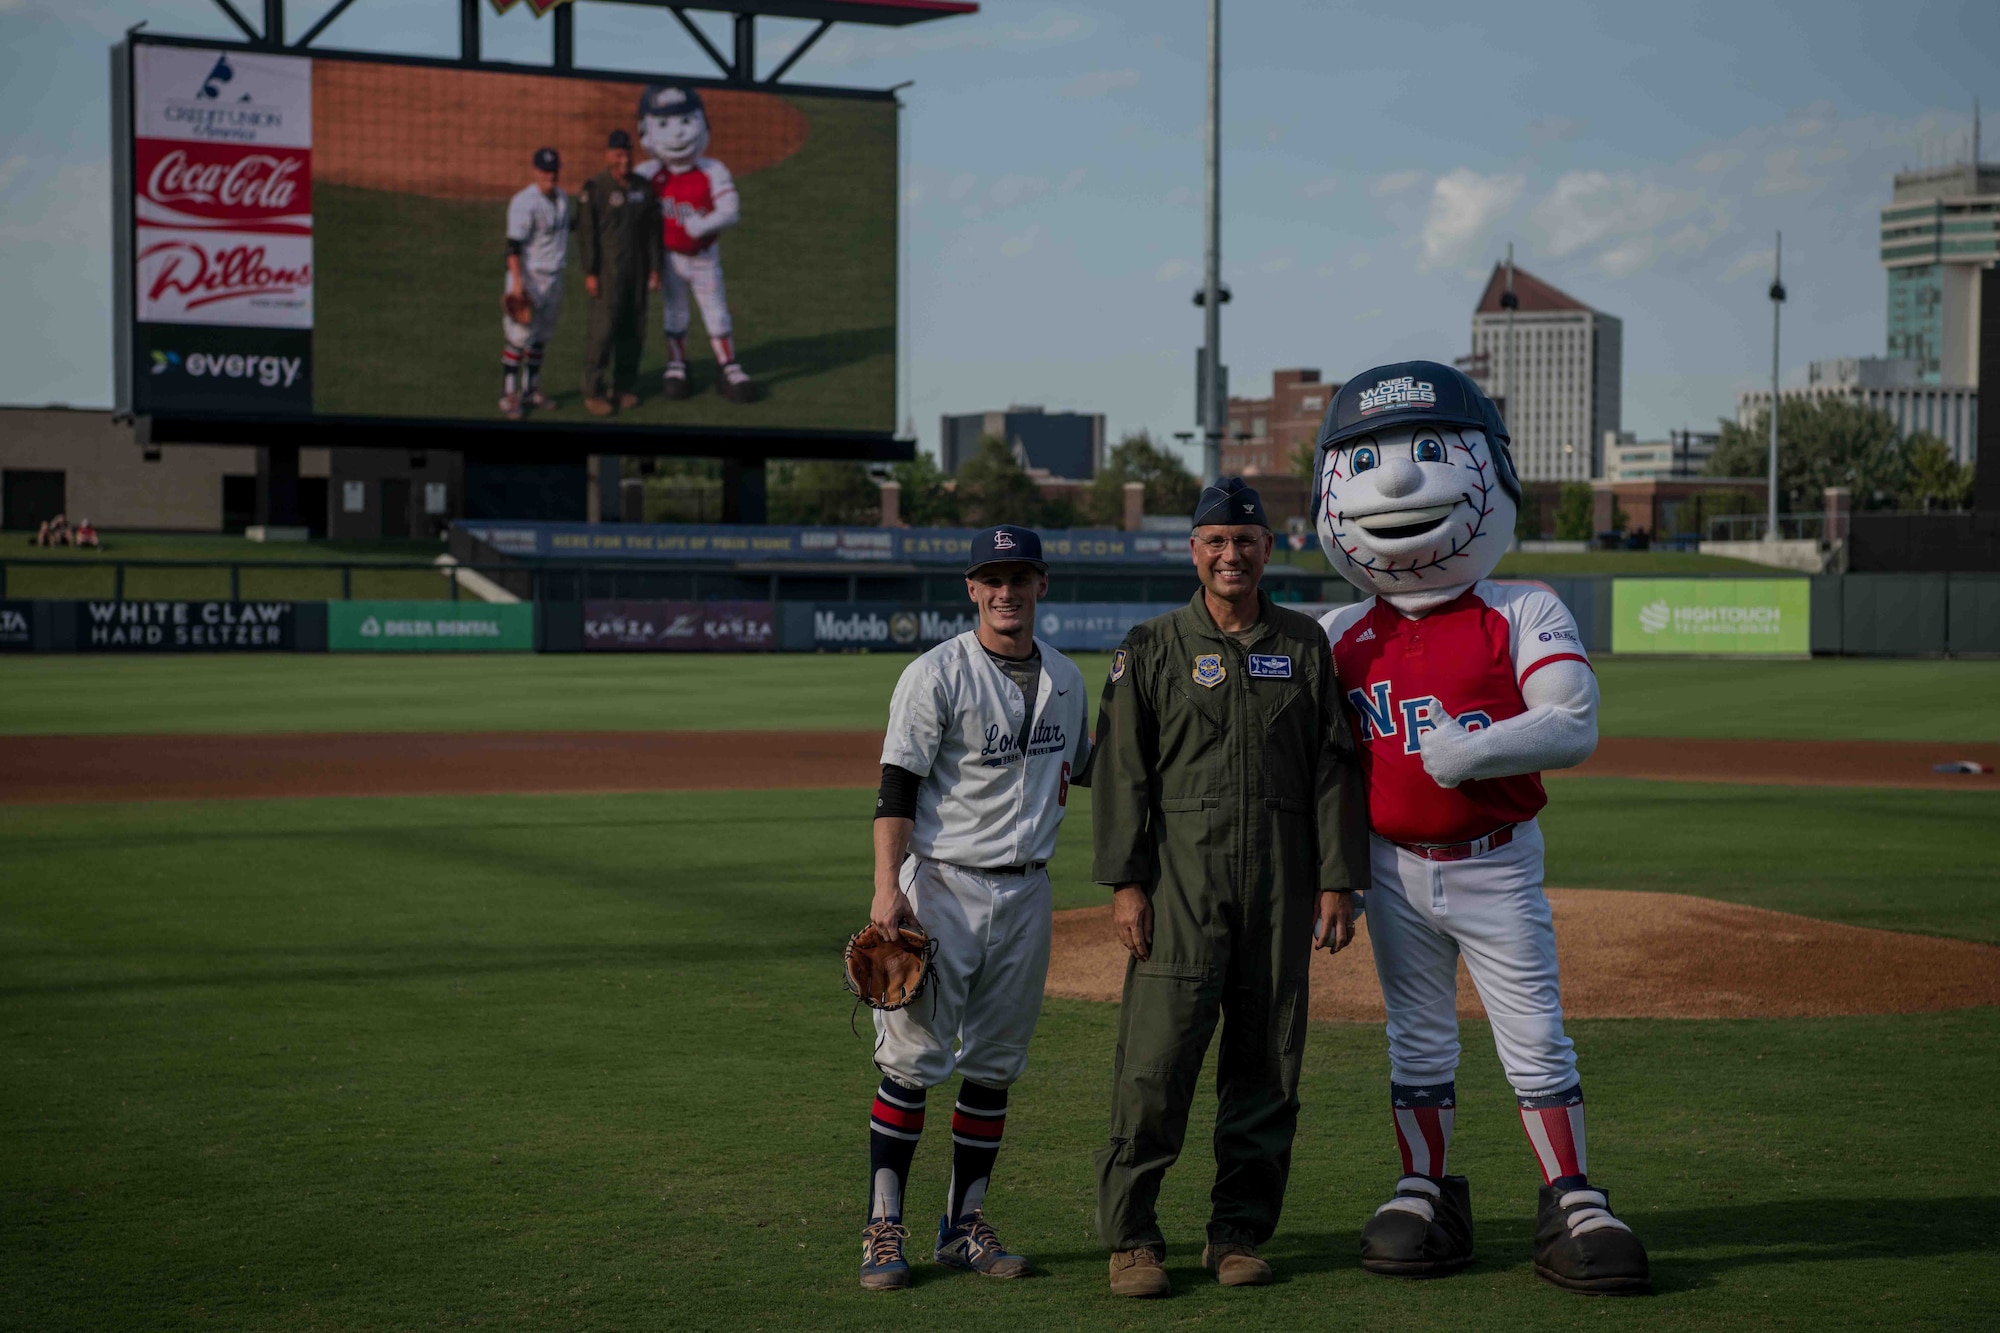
point(430, 627)
point(683, 627)
point(944, 547)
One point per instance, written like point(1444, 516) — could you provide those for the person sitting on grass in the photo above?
point(85, 535)
point(53, 532)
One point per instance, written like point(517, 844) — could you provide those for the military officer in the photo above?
point(1230, 820)
point(619, 225)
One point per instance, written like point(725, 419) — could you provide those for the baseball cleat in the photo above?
point(1139, 1273)
point(628, 400)
point(1580, 1246)
point(510, 406)
point(598, 407)
point(736, 384)
point(1425, 1231)
point(535, 398)
point(1236, 1265)
point(883, 1267)
point(674, 380)
point(972, 1246)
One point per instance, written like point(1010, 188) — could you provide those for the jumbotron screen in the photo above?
point(348, 238)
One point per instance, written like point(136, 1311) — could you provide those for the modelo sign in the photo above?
point(154, 627)
point(887, 625)
point(430, 627)
point(1733, 617)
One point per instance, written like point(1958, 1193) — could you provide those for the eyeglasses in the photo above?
point(1219, 544)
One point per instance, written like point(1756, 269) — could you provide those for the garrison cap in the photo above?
point(1006, 544)
point(1414, 393)
point(1229, 502)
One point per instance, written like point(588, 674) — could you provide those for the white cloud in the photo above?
point(1588, 208)
point(1180, 196)
point(1394, 183)
point(1784, 173)
point(1320, 188)
point(1721, 159)
point(913, 195)
point(18, 163)
point(1016, 246)
point(1554, 129)
point(1100, 82)
point(1014, 189)
point(851, 46)
point(1623, 260)
point(1464, 206)
point(1074, 179)
point(1360, 259)
point(1750, 261)
point(1275, 264)
point(1364, 315)
point(1173, 268)
point(962, 184)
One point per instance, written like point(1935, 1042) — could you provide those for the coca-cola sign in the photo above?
point(225, 278)
point(224, 186)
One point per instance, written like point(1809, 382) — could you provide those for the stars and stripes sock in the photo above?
point(1554, 1122)
point(895, 1123)
point(510, 368)
point(1423, 1113)
point(976, 1125)
point(725, 349)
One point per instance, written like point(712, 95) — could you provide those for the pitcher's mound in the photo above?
point(1640, 955)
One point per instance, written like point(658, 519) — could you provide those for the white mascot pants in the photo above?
point(701, 272)
point(985, 993)
point(1423, 916)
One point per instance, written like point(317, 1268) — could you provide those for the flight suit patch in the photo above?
point(1271, 666)
point(1208, 670)
point(1118, 665)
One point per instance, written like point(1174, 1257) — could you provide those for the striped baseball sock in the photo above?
point(510, 368)
point(976, 1125)
point(1554, 1122)
point(895, 1123)
point(534, 365)
point(1423, 1113)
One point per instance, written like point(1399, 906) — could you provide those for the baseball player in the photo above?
point(698, 202)
point(1460, 691)
point(539, 221)
point(985, 732)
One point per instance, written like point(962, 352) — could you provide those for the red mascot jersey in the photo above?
point(1467, 658)
point(698, 189)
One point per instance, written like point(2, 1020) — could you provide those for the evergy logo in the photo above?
point(270, 371)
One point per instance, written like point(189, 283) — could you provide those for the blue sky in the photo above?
point(1375, 165)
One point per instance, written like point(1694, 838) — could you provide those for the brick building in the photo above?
point(1266, 434)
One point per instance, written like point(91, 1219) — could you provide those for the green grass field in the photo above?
point(1845, 698)
point(583, 1061)
point(268, 569)
point(408, 315)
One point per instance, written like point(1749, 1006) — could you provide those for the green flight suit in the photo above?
point(1234, 797)
point(618, 230)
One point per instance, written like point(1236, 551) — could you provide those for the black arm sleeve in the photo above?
point(898, 797)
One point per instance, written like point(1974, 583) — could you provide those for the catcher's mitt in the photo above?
point(518, 307)
point(887, 971)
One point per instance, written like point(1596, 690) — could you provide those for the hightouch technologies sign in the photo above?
point(1745, 617)
point(430, 627)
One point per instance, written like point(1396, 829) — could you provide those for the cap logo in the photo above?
point(1249, 509)
point(1403, 391)
point(1003, 541)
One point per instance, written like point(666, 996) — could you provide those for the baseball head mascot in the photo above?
point(698, 202)
point(1460, 691)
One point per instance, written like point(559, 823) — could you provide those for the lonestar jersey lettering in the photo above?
point(541, 224)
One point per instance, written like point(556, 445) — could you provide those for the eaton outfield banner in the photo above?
point(430, 627)
point(1764, 617)
point(946, 547)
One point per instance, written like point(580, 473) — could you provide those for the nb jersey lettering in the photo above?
point(1466, 660)
point(689, 194)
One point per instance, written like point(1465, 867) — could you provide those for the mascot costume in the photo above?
point(698, 202)
point(1460, 691)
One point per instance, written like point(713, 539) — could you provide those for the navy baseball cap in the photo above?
point(1414, 393)
point(666, 99)
point(1229, 502)
point(618, 139)
point(548, 159)
point(1006, 544)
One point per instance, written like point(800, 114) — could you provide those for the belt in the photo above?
point(1461, 851)
point(1028, 869)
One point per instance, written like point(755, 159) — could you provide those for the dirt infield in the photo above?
point(1641, 955)
point(42, 769)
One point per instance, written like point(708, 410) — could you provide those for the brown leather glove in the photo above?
point(518, 307)
point(887, 971)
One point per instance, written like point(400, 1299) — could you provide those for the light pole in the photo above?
point(1214, 412)
point(1777, 305)
point(1510, 303)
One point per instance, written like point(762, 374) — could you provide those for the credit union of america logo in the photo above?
point(1653, 616)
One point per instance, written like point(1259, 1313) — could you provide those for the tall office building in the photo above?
point(1564, 384)
point(1941, 228)
point(1063, 444)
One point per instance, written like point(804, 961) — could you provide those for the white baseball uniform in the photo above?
point(995, 770)
point(540, 224)
point(1455, 713)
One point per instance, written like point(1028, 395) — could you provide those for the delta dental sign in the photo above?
point(429, 627)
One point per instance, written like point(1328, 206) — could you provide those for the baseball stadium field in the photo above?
point(537, 1022)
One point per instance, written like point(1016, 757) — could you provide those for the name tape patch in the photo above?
point(1271, 666)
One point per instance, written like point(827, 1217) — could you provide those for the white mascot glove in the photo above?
point(1449, 751)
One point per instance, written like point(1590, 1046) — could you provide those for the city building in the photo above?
point(1266, 434)
point(1684, 453)
point(1895, 386)
point(1061, 444)
point(1564, 385)
point(1940, 229)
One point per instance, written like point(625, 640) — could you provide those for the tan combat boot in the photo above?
point(1138, 1273)
point(1236, 1265)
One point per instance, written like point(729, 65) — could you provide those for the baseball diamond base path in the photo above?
point(1640, 955)
point(43, 769)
